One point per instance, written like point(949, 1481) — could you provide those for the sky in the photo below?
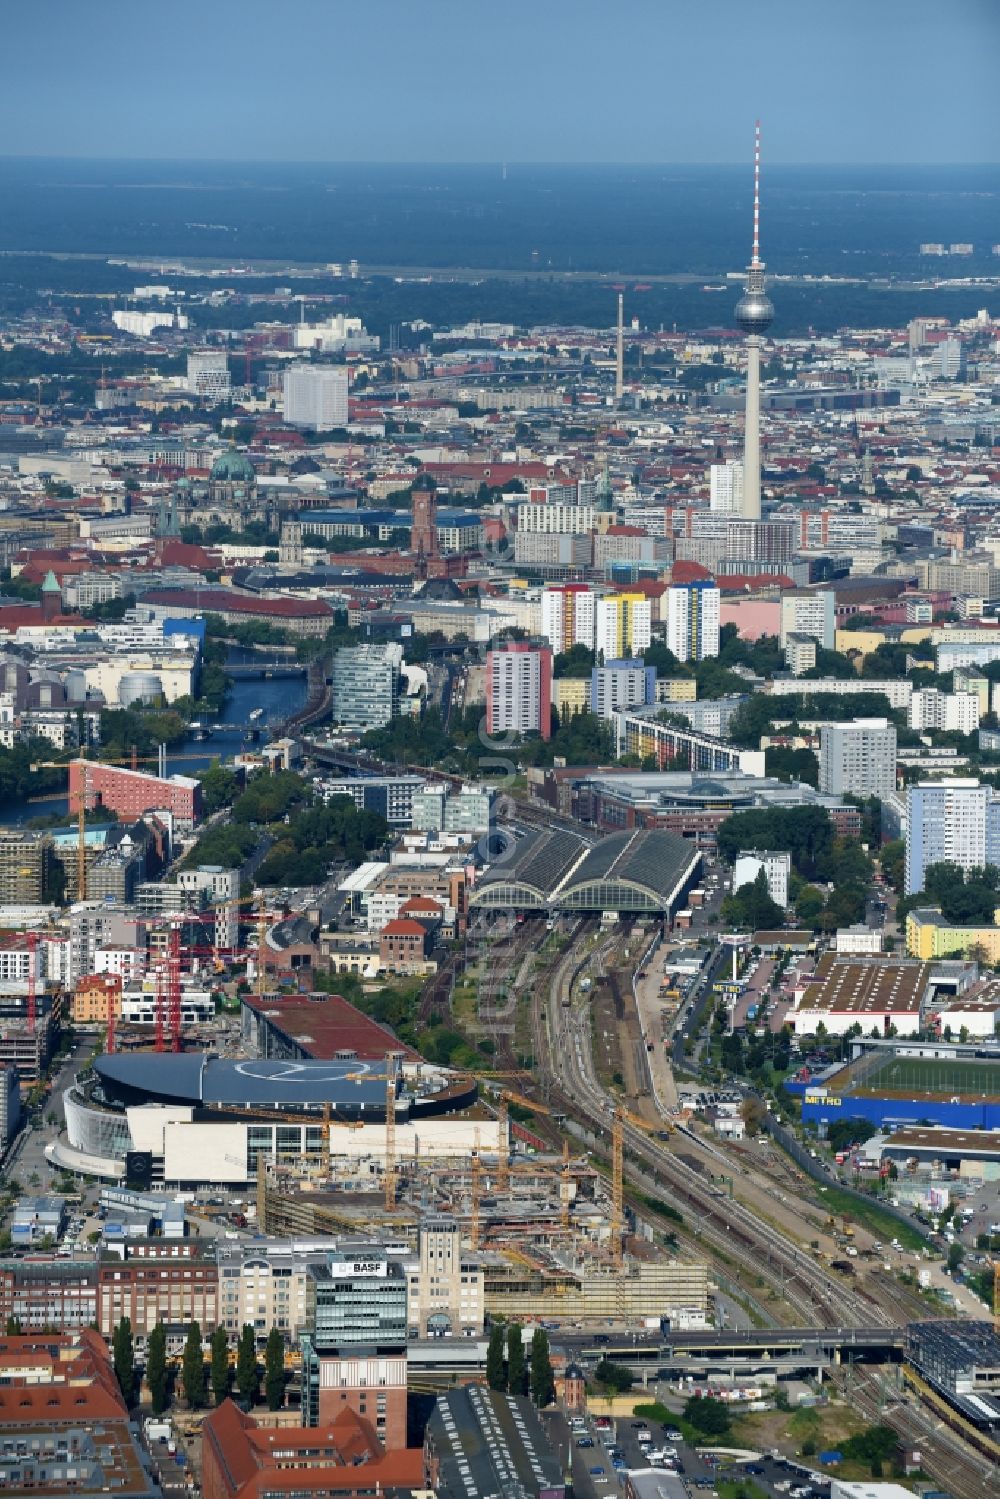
point(851, 81)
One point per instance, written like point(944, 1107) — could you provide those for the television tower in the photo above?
point(754, 314)
point(620, 352)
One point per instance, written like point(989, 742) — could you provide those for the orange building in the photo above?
point(94, 996)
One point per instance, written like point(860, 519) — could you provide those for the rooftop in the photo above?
point(867, 986)
point(327, 1027)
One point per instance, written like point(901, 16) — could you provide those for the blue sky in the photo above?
point(488, 80)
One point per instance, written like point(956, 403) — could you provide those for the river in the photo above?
point(191, 755)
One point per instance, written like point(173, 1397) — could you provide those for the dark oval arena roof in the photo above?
point(249, 1082)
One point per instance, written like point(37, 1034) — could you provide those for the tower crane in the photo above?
point(620, 1118)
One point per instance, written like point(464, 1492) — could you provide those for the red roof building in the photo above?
point(343, 1460)
point(322, 1026)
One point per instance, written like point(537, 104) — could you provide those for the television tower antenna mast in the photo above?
point(754, 314)
point(620, 352)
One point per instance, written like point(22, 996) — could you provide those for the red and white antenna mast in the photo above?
point(755, 261)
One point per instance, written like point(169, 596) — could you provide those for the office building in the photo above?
point(366, 685)
point(440, 808)
point(445, 1293)
point(726, 487)
point(621, 684)
point(519, 689)
point(777, 868)
point(809, 614)
point(159, 1280)
point(208, 376)
point(952, 712)
point(949, 359)
point(693, 620)
point(955, 821)
point(46, 1290)
point(131, 793)
point(315, 396)
point(392, 797)
point(858, 758)
point(218, 890)
point(354, 1356)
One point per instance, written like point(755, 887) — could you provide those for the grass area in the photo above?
point(924, 1075)
point(826, 1426)
point(872, 1217)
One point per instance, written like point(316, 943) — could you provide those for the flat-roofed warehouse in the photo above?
point(875, 993)
point(962, 1150)
point(635, 872)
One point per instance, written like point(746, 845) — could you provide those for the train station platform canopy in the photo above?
point(644, 871)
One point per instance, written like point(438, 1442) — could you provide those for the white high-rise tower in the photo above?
point(754, 314)
point(620, 352)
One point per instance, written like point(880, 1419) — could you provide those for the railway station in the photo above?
point(644, 873)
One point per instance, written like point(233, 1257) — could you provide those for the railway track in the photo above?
point(728, 1228)
point(950, 1459)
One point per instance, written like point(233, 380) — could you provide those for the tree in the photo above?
point(752, 1112)
point(274, 1370)
point(123, 1354)
point(220, 1365)
point(751, 906)
point(614, 1378)
point(543, 1387)
point(516, 1372)
point(247, 1373)
point(14, 1328)
point(193, 1368)
point(956, 1254)
point(496, 1376)
point(156, 1369)
point(707, 1415)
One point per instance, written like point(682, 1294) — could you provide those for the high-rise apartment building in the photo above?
point(954, 712)
point(621, 684)
point(366, 685)
point(208, 376)
point(567, 612)
point(726, 487)
point(519, 689)
point(315, 396)
point(858, 758)
point(809, 614)
point(954, 821)
point(693, 620)
point(623, 625)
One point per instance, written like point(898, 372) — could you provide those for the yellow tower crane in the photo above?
point(621, 1117)
point(390, 1130)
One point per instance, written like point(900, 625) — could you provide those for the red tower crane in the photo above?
point(32, 981)
point(174, 986)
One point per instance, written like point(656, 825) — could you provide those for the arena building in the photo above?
point(191, 1120)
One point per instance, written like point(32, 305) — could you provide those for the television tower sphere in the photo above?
point(754, 310)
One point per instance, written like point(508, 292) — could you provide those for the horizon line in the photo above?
point(490, 162)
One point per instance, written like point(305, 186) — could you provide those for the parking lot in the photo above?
point(604, 1449)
